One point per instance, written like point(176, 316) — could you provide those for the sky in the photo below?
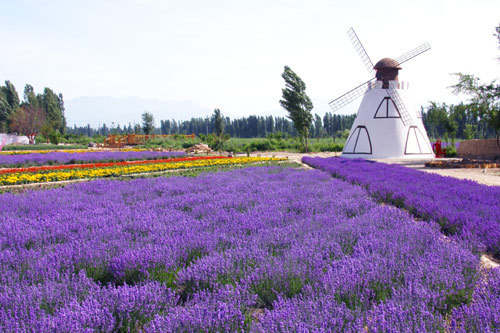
point(230, 54)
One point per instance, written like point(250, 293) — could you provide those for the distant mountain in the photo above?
point(124, 110)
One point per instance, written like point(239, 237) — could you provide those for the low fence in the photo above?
point(117, 141)
point(479, 148)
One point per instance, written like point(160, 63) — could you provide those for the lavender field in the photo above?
point(264, 249)
point(87, 157)
point(462, 207)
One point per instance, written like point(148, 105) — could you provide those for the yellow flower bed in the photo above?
point(23, 178)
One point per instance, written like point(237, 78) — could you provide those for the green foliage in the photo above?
point(54, 137)
point(99, 273)
point(268, 289)
point(76, 138)
point(451, 151)
point(9, 103)
point(175, 142)
point(53, 106)
point(166, 276)
point(469, 132)
point(214, 141)
point(381, 291)
point(148, 126)
point(30, 96)
point(277, 136)
point(280, 143)
point(219, 123)
point(193, 255)
point(326, 145)
point(485, 97)
point(350, 298)
point(297, 103)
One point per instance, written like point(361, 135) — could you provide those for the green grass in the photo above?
point(248, 145)
point(239, 145)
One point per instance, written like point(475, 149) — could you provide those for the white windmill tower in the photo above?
point(387, 124)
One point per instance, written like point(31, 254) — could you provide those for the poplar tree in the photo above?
point(148, 125)
point(298, 104)
point(218, 123)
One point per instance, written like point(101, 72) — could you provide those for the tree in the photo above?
point(485, 97)
point(30, 96)
point(219, 123)
point(4, 112)
point(61, 109)
point(9, 103)
point(298, 104)
point(148, 123)
point(51, 103)
point(318, 126)
point(28, 120)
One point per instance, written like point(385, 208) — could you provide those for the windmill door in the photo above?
point(358, 142)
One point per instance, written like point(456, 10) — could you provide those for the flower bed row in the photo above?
point(99, 170)
point(103, 165)
point(461, 207)
point(256, 249)
point(83, 157)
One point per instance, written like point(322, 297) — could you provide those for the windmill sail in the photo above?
point(413, 53)
point(405, 115)
point(361, 51)
point(351, 95)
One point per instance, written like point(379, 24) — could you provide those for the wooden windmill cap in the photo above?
point(387, 63)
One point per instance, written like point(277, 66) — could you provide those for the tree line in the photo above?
point(461, 121)
point(479, 118)
point(36, 113)
point(253, 126)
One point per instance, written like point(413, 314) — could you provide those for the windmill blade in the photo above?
point(361, 51)
point(396, 98)
point(413, 53)
point(351, 95)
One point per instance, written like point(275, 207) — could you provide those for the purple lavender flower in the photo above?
point(87, 157)
point(255, 249)
point(461, 207)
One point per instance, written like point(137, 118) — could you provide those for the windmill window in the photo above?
point(359, 142)
point(416, 142)
point(387, 109)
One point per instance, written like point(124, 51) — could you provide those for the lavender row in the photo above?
point(460, 206)
point(87, 157)
point(257, 249)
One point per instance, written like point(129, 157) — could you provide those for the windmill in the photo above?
point(386, 125)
